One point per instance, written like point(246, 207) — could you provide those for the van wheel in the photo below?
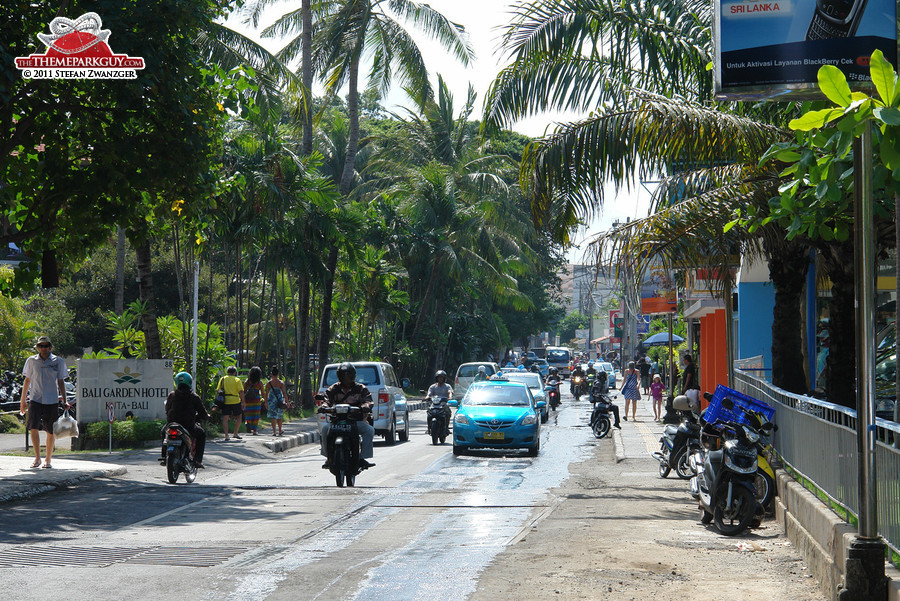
point(391, 436)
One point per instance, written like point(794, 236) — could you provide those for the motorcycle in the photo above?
point(180, 446)
point(677, 444)
point(725, 482)
point(343, 443)
point(600, 415)
point(578, 387)
point(552, 390)
point(438, 425)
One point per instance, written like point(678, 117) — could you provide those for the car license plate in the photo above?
point(494, 436)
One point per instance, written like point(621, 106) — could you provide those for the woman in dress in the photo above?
point(630, 390)
point(253, 389)
point(275, 401)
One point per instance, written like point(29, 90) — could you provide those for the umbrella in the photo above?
point(662, 339)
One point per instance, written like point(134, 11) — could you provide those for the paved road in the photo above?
point(586, 519)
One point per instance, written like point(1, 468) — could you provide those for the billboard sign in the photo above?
point(766, 49)
point(134, 387)
point(658, 294)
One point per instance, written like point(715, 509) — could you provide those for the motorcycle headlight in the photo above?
point(461, 419)
point(529, 420)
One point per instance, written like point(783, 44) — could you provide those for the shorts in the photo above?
point(232, 409)
point(42, 417)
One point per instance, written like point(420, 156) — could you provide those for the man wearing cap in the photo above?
point(44, 384)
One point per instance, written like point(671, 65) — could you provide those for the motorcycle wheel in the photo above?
point(435, 438)
point(342, 469)
point(601, 427)
point(664, 469)
point(172, 468)
point(743, 509)
point(191, 474)
point(765, 490)
point(683, 466)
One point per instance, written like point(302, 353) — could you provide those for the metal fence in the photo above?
point(818, 440)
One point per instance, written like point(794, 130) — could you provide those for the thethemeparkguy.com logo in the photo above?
point(78, 50)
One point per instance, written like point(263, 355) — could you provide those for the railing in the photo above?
point(817, 440)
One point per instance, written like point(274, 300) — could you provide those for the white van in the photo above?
point(465, 375)
point(559, 357)
point(390, 414)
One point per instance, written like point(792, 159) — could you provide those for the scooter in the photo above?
point(725, 482)
point(180, 447)
point(578, 387)
point(677, 444)
point(343, 443)
point(437, 420)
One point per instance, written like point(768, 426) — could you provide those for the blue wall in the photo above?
point(756, 301)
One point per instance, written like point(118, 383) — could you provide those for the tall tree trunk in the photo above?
point(353, 115)
point(119, 301)
point(307, 76)
point(327, 293)
point(426, 300)
point(306, 400)
point(896, 305)
point(788, 265)
point(840, 368)
point(148, 298)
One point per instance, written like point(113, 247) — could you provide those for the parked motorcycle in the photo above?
point(343, 443)
point(438, 425)
point(677, 444)
point(180, 447)
point(726, 472)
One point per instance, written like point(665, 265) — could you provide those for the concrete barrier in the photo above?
point(820, 535)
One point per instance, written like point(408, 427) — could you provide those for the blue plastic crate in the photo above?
point(742, 404)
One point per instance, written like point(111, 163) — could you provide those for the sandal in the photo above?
point(46, 466)
point(236, 437)
point(37, 463)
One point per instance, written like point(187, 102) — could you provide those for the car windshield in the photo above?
point(558, 355)
point(499, 395)
point(470, 371)
point(530, 380)
point(367, 375)
point(607, 367)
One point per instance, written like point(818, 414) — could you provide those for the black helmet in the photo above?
point(440, 373)
point(346, 369)
point(553, 371)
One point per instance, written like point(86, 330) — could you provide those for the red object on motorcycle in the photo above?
point(173, 432)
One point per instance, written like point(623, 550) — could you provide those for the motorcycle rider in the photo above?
point(553, 379)
point(441, 390)
point(577, 371)
point(481, 376)
point(599, 389)
point(348, 392)
point(184, 407)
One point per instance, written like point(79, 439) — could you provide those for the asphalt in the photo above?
point(18, 480)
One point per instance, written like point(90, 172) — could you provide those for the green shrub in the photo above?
point(125, 431)
point(10, 424)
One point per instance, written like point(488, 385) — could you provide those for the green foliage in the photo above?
point(17, 333)
point(128, 431)
point(816, 193)
point(10, 424)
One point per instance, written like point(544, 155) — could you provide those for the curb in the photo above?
point(619, 444)
point(25, 491)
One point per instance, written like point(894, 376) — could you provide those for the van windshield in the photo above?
point(367, 375)
point(558, 356)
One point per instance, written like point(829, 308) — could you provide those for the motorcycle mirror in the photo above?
point(707, 396)
point(728, 403)
point(405, 383)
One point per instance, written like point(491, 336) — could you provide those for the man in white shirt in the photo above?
point(45, 374)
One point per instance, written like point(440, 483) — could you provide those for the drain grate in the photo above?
point(99, 557)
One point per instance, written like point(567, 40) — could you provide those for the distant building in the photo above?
point(584, 290)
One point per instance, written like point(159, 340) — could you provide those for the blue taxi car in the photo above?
point(497, 414)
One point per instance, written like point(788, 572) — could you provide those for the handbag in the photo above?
point(65, 426)
point(219, 402)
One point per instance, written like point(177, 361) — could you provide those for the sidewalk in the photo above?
point(18, 480)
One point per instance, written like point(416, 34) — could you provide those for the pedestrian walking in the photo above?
point(630, 390)
point(44, 385)
point(656, 391)
point(276, 396)
point(654, 368)
point(689, 385)
point(644, 369)
point(233, 389)
point(253, 391)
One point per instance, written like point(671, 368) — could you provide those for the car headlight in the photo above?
point(461, 419)
point(529, 420)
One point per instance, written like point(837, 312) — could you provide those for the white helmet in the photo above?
point(482, 369)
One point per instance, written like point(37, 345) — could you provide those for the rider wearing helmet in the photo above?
point(183, 406)
point(347, 391)
point(441, 390)
point(481, 376)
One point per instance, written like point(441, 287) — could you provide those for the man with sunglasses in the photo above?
point(44, 384)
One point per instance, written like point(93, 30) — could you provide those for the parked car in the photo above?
point(498, 414)
point(536, 385)
point(465, 375)
point(390, 414)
